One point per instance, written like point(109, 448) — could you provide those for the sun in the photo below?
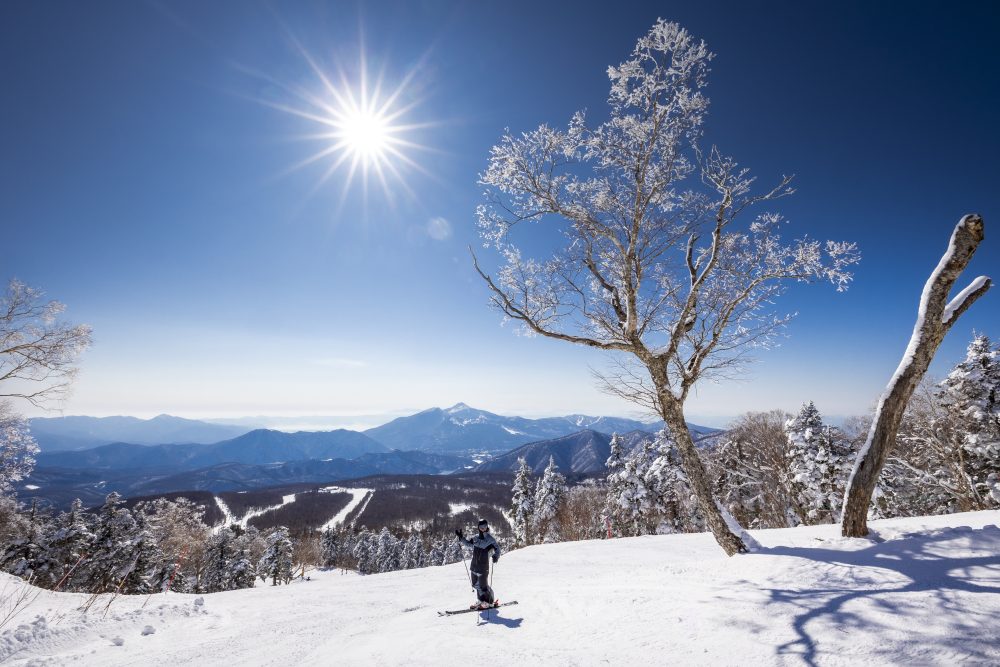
point(365, 134)
point(360, 128)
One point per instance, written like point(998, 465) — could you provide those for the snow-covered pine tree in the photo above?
point(387, 553)
point(413, 553)
point(819, 464)
point(613, 482)
point(972, 394)
point(31, 557)
point(71, 542)
point(632, 505)
point(276, 563)
point(548, 497)
point(453, 552)
point(364, 551)
point(736, 484)
point(119, 551)
point(670, 508)
point(218, 556)
point(330, 547)
point(436, 554)
point(522, 509)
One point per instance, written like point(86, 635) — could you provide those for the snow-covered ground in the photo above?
point(924, 591)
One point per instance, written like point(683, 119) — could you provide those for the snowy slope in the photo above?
point(926, 591)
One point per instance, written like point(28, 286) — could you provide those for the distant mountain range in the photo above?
point(434, 441)
point(464, 429)
point(254, 448)
point(69, 433)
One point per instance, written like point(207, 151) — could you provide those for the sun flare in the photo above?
point(361, 128)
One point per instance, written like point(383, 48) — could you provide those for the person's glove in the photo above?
point(458, 531)
point(496, 558)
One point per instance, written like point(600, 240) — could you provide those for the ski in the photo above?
point(466, 611)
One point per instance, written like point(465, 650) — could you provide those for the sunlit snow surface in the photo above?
point(926, 591)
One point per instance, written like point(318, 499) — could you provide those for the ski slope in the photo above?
point(924, 591)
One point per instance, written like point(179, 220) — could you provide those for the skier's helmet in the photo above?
point(483, 526)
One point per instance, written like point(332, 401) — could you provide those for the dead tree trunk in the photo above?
point(935, 317)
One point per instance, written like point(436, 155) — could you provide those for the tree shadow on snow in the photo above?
point(920, 559)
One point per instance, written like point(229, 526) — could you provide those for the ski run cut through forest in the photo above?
point(919, 591)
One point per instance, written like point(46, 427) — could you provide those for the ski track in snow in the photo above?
point(358, 496)
point(922, 591)
point(245, 519)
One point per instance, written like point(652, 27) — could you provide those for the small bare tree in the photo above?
point(38, 352)
point(647, 262)
point(37, 356)
point(935, 317)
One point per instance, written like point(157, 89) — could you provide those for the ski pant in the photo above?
point(481, 582)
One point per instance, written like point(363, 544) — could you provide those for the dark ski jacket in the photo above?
point(481, 545)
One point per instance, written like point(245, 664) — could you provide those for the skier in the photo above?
point(480, 568)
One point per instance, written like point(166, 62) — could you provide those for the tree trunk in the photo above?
point(934, 319)
point(673, 414)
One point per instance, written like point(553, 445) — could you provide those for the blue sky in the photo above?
point(147, 181)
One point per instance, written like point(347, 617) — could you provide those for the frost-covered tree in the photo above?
point(123, 556)
point(614, 466)
point(330, 547)
point(548, 496)
point(179, 530)
point(38, 353)
point(387, 552)
point(632, 503)
point(31, 556)
point(364, 551)
point(750, 465)
point(522, 508)
point(670, 509)
point(17, 448)
point(453, 552)
point(658, 267)
point(819, 463)
point(436, 554)
point(70, 543)
point(582, 514)
point(413, 553)
point(971, 393)
point(276, 563)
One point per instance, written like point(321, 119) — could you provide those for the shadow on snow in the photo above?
point(920, 560)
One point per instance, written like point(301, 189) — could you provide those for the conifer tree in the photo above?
point(387, 552)
point(613, 480)
point(330, 547)
point(364, 551)
point(548, 496)
point(972, 396)
point(522, 508)
point(276, 563)
point(819, 463)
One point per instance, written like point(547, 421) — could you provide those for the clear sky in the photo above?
point(148, 180)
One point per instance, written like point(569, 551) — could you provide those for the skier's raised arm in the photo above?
point(462, 538)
